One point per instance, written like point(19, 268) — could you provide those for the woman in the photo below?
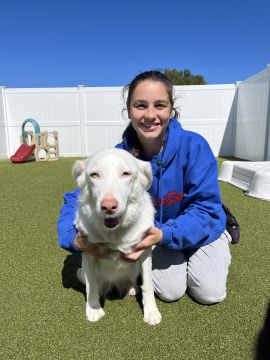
point(191, 244)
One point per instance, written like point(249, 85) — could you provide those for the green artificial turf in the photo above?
point(43, 306)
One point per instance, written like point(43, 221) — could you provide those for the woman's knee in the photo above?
point(207, 295)
point(169, 293)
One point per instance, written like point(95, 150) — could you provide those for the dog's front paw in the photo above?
point(152, 316)
point(94, 315)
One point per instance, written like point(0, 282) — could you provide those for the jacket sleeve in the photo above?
point(66, 228)
point(202, 217)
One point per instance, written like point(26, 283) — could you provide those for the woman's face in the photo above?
point(150, 110)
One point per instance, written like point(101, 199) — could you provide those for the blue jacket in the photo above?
point(185, 192)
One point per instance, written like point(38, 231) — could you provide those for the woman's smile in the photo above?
point(149, 127)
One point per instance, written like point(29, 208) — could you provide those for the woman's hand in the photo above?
point(98, 250)
point(152, 237)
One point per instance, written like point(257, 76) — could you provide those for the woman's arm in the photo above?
point(202, 219)
point(67, 231)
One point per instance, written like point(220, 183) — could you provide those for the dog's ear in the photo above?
point(78, 172)
point(145, 171)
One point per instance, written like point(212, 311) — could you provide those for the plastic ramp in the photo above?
point(251, 176)
point(23, 153)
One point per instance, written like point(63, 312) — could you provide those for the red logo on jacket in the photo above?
point(171, 198)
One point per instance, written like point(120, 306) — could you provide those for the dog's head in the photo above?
point(110, 179)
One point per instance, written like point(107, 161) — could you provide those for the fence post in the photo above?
point(2, 89)
point(267, 130)
point(82, 119)
point(235, 111)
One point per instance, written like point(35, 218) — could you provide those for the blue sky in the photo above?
point(57, 43)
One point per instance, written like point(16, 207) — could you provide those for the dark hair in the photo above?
point(154, 75)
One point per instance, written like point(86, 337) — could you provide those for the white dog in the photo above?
point(114, 209)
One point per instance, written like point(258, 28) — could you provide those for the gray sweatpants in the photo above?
point(202, 272)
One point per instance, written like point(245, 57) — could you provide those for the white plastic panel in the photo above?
point(251, 176)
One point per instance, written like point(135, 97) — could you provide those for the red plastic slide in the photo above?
point(23, 153)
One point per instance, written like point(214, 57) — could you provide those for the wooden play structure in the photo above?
point(36, 145)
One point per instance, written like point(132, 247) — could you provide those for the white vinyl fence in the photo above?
point(235, 120)
point(210, 111)
point(252, 140)
point(88, 119)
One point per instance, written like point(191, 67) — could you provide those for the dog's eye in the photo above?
point(94, 175)
point(126, 174)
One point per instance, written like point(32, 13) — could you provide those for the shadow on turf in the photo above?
point(69, 280)
point(263, 340)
